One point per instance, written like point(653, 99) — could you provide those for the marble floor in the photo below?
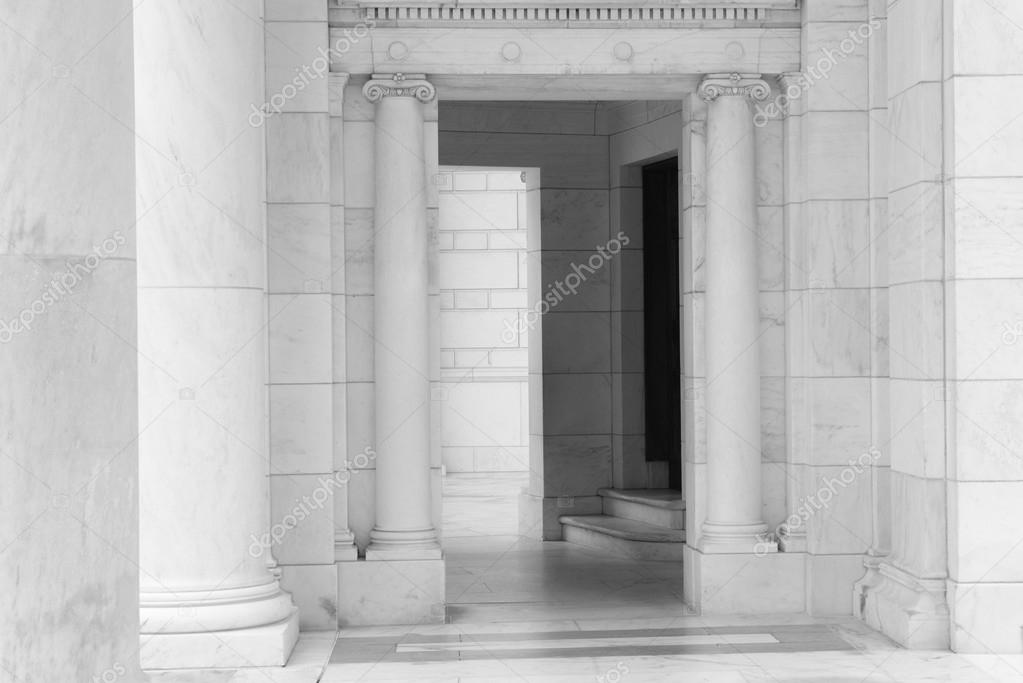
point(522, 610)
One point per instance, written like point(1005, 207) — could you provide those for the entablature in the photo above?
point(566, 13)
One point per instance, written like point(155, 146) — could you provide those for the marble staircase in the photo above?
point(646, 524)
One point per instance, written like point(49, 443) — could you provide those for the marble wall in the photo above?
point(484, 328)
point(831, 303)
point(909, 603)
point(305, 308)
point(982, 175)
point(68, 453)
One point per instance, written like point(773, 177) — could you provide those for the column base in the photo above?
point(403, 545)
point(737, 538)
point(344, 546)
point(269, 645)
point(387, 553)
point(384, 592)
point(743, 583)
point(911, 611)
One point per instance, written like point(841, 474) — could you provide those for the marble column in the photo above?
point(209, 596)
point(404, 527)
point(734, 518)
point(402, 579)
point(68, 450)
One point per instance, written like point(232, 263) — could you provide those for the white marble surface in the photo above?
point(262, 646)
point(836, 144)
point(837, 236)
point(988, 438)
point(381, 592)
point(298, 248)
point(914, 44)
point(987, 132)
point(306, 665)
point(914, 235)
point(302, 505)
point(744, 583)
point(69, 475)
point(988, 239)
point(297, 157)
point(301, 416)
point(914, 121)
point(290, 46)
point(300, 334)
point(313, 587)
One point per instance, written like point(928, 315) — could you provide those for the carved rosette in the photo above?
point(749, 86)
point(399, 85)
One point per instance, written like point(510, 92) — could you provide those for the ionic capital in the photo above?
point(399, 85)
point(749, 86)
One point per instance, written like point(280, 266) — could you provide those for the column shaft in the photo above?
point(404, 527)
point(207, 596)
point(732, 316)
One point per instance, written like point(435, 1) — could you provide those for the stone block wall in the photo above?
point(484, 332)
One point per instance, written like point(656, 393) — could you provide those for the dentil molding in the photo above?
point(563, 13)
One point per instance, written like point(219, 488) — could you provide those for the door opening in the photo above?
point(661, 345)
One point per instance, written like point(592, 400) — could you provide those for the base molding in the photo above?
point(385, 592)
point(307, 663)
point(269, 645)
point(870, 580)
point(911, 611)
point(744, 583)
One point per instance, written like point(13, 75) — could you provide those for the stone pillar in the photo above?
point(208, 596)
point(402, 579)
point(68, 449)
point(344, 539)
point(734, 519)
point(792, 533)
point(734, 556)
point(403, 529)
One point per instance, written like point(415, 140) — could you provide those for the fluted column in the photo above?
point(734, 519)
point(404, 527)
point(208, 597)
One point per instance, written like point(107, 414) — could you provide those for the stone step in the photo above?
point(625, 537)
point(660, 507)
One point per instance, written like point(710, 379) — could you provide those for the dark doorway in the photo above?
point(662, 352)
